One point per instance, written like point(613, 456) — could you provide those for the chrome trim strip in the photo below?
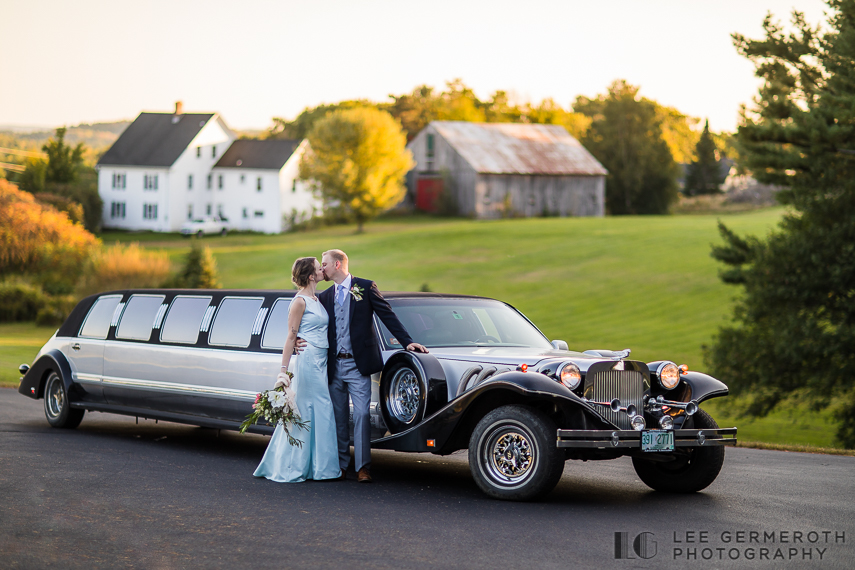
point(174, 387)
point(206, 320)
point(161, 312)
point(259, 320)
point(117, 312)
point(83, 378)
point(632, 438)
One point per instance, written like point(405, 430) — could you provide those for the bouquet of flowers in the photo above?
point(277, 406)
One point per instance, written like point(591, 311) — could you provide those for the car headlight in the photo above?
point(570, 375)
point(669, 375)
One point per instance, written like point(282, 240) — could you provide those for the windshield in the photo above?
point(462, 322)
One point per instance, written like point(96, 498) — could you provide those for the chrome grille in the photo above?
point(625, 385)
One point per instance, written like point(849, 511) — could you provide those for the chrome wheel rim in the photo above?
point(54, 397)
point(405, 395)
point(509, 454)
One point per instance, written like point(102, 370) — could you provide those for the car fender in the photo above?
point(448, 428)
point(432, 372)
point(703, 386)
point(33, 382)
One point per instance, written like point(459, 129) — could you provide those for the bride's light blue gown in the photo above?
point(318, 457)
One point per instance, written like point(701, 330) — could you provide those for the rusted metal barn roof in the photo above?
point(513, 148)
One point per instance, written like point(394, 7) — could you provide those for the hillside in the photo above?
point(646, 283)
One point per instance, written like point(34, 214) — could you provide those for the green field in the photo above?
point(646, 283)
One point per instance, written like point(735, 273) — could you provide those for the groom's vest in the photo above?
point(342, 325)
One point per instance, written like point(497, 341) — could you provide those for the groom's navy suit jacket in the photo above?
point(363, 336)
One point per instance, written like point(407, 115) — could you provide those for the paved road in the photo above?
point(114, 494)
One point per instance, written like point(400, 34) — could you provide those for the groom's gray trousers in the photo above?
point(348, 381)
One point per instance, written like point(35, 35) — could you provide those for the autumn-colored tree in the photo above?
point(358, 160)
point(39, 241)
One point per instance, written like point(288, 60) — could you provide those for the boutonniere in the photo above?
point(356, 292)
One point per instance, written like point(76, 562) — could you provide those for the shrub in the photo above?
point(124, 267)
point(19, 301)
point(55, 310)
point(200, 270)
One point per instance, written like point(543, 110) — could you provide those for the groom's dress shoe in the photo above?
point(363, 476)
point(343, 475)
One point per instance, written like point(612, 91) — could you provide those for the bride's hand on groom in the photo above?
point(416, 347)
point(299, 345)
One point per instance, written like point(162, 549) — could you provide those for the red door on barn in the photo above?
point(428, 194)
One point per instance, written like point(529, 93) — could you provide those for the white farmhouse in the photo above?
point(167, 168)
point(257, 187)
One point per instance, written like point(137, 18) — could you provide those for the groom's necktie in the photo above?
point(339, 295)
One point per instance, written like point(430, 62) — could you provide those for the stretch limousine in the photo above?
point(492, 384)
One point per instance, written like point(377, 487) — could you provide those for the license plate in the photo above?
point(657, 440)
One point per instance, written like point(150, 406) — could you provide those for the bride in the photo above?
point(318, 457)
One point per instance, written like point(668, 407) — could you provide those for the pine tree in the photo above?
point(703, 175)
point(200, 269)
point(793, 330)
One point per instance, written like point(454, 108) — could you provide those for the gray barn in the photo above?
point(493, 170)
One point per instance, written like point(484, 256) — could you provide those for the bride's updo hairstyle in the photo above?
point(302, 270)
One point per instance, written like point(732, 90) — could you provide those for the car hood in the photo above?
point(510, 355)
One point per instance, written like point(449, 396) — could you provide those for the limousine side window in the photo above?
point(138, 317)
point(97, 323)
point(184, 319)
point(234, 321)
point(277, 325)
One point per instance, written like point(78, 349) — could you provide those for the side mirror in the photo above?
point(560, 345)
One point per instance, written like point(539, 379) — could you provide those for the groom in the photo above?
point(354, 354)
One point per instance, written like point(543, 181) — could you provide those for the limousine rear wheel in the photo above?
point(58, 409)
point(513, 456)
point(403, 396)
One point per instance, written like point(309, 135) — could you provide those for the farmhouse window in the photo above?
point(189, 181)
point(242, 178)
point(430, 151)
point(150, 211)
point(294, 185)
point(220, 181)
point(258, 214)
point(198, 152)
point(189, 211)
point(258, 184)
point(214, 151)
point(210, 182)
point(119, 181)
point(208, 210)
point(117, 210)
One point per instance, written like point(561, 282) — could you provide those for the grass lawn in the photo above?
point(646, 283)
point(19, 344)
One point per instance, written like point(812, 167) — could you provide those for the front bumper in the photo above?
point(606, 438)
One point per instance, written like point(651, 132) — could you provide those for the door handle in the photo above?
point(75, 346)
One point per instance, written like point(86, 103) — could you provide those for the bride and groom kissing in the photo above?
point(333, 332)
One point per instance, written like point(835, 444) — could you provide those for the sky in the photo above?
point(89, 61)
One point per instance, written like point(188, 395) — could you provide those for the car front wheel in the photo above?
point(693, 468)
point(513, 456)
point(58, 409)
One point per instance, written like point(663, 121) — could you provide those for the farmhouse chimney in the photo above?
point(179, 107)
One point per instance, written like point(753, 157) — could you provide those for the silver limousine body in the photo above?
point(492, 384)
